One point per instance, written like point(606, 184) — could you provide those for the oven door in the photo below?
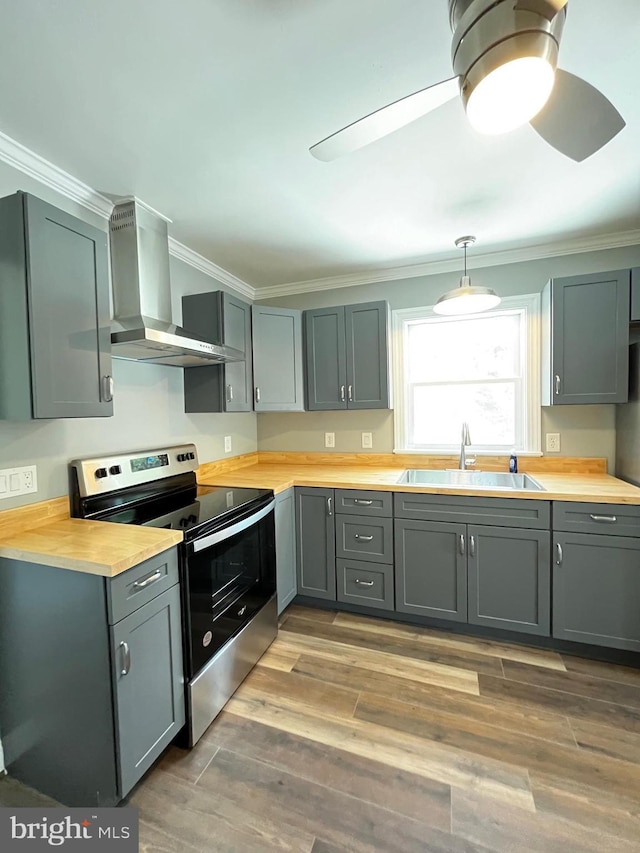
point(229, 575)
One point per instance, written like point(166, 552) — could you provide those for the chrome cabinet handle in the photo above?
point(557, 378)
point(126, 658)
point(257, 394)
point(364, 583)
point(342, 393)
point(107, 389)
point(472, 546)
point(362, 502)
point(329, 508)
point(152, 578)
point(362, 538)
point(229, 393)
point(462, 545)
point(350, 393)
point(609, 519)
point(559, 554)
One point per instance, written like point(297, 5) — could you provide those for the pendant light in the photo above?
point(466, 298)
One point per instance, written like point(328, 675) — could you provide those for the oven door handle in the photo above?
point(232, 530)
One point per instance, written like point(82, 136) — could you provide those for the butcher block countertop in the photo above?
point(44, 533)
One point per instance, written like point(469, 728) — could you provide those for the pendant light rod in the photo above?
point(464, 242)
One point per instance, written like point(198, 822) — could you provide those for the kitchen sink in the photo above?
point(469, 479)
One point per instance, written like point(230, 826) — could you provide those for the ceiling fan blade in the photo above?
point(547, 8)
point(385, 120)
point(577, 120)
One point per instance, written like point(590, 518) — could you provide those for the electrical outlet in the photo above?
point(227, 444)
point(367, 440)
point(553, 442)
point(18, 481)
point(329, 439)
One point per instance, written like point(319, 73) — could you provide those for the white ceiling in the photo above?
point(205, 109)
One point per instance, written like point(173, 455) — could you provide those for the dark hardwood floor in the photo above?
point(357, 734)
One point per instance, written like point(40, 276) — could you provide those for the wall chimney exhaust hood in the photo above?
point(143, 329)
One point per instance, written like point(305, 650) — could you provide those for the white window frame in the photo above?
point(529, 305)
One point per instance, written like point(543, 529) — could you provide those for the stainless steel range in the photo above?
point(227, 561)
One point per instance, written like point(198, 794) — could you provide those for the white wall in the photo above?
point(148, 399)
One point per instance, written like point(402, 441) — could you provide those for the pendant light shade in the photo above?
point(466, 298)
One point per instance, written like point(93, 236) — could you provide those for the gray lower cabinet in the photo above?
point(146, 650)
point(509, 578)
point(316, 543)
point(596, 589)
point(221, 318)
point(55, 323)
point(277, 359)
point(285, 520)
point(346, 357)
point(431, 569)
point(92, 676)
point(585, 334)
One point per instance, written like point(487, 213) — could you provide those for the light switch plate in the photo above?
point(367, 440)
point(18, 481)
point(227, 444)
point(329, 439)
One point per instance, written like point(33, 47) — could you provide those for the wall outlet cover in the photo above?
point(553, 442)
point(329, 439)
point(18, 481)
point(227, 444)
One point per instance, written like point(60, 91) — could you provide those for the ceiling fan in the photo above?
point(504, 55)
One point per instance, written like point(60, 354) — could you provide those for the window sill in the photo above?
point(455, 451)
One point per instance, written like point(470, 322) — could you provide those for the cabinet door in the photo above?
point(325, 359)
point(316, 543)
point(69, 317)
point(367, 356)
point(277, 359)
point(596, 590)
point(221, 318)
point(590, 338)
point(146, 650)
point(509, 579)
point(431, 569)
point(286, 584)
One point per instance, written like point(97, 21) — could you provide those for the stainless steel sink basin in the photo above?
point(469, 479)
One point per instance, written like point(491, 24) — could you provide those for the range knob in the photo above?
point(191, 455)
point(100, 473)
point(184, 522)
point(193, 519)
point(181, 457)
point(115, 469)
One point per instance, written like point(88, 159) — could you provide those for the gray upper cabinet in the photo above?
point(55, 326)
point(596, 590)
point(316, 543)
point(635, 295)
point(146, 651)
point(509, 579)
point(220, 318)
point(585, 339)
point(285, 519)
point(277, 360)
point(431, 569)
point(346, 357)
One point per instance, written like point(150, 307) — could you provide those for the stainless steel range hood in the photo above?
point(143, 329)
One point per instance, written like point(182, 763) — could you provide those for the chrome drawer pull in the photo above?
point(152, 578)
point(610, 519)
point(361, 538)
point(126, 666)
point(559, 553)
point(364, 583)
point(362, 502)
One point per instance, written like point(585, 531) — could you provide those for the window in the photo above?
point(482, 368)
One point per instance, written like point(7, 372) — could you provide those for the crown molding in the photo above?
point(574, 246)
point(199, 262)
point(29, 163)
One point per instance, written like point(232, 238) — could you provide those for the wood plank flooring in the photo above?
point(358, 734)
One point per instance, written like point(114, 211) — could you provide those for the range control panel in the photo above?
point(106, 474)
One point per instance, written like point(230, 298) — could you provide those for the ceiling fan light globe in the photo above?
point(466, 300)
point(510, 95)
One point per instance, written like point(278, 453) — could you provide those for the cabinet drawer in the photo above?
point(364, 539)
point(142, 583)
point(500, 512)
point(364, 583)
point(607, 519)
point(371, 503)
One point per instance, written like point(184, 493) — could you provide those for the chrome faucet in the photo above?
point(465, 442)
